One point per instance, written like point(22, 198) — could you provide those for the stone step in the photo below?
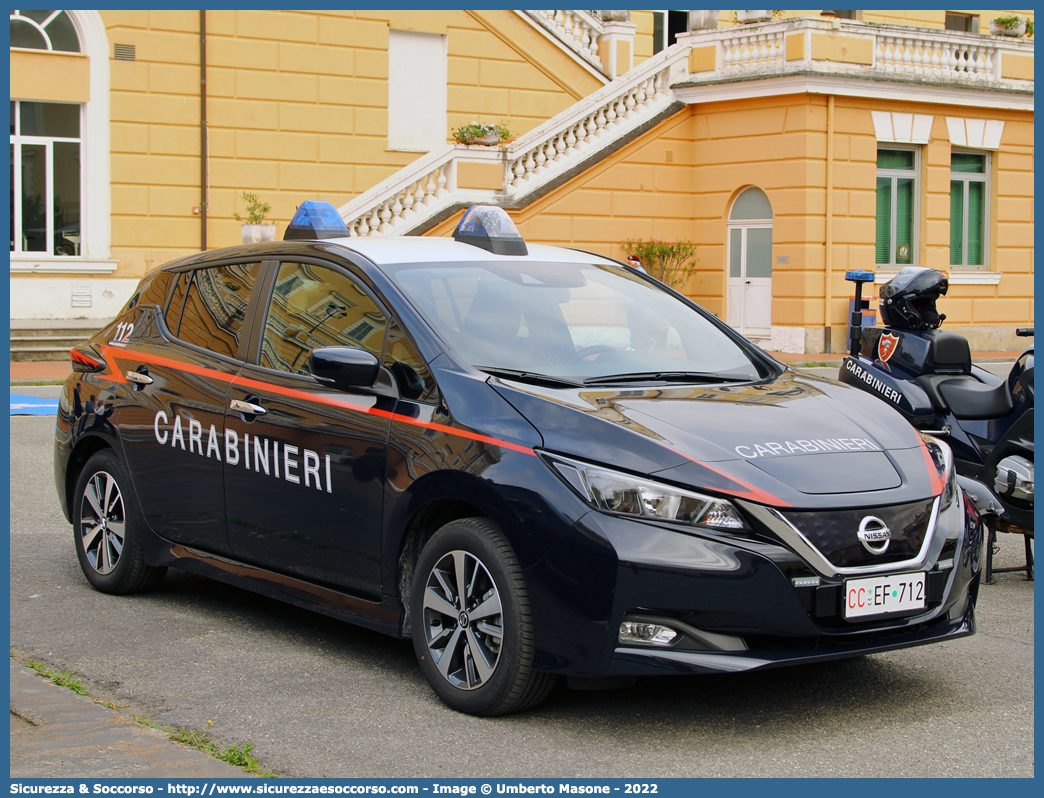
point(79, 333)
point(33, 355)
point(50, 339)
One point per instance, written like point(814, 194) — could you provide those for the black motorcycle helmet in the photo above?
point(908, 299)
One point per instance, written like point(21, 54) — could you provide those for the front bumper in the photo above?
point(733, 601)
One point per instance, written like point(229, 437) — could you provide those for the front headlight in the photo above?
point(623, 494)
point(942, 459)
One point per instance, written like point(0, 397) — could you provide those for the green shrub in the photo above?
point(670, 262)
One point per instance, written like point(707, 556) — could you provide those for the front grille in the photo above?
point(834, 533)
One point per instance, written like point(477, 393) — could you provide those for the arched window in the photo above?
point(44, 30)
point(59, 145)
point(751, 205)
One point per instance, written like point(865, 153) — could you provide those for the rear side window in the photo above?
point(172, 316)
point(208, 306)
point(152, 291)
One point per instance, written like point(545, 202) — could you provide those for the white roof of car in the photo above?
point(422, 249)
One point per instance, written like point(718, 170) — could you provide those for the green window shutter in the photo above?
point(956, 222)
point(904, 221)
point(884, 220)
point(976, 222)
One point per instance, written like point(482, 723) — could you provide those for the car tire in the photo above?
point(108, 528)
point(477, 657)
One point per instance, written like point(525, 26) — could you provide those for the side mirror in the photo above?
point(344, 367)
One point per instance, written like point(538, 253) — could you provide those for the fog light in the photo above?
point(631, 632)
point(944, 565)
point(805, 581)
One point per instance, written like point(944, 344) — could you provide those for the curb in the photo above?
point(56, 733)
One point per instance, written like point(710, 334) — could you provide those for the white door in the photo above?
point(750, 279)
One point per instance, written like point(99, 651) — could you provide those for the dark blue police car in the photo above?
point(533, 461)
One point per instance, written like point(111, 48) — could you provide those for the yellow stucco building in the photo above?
point(789, 149)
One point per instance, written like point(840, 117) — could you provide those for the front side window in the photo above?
point(314, 306)
point(45, 178)
point(968, 209)
point(896, 218)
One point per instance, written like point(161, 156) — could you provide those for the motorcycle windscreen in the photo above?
point(836, 472)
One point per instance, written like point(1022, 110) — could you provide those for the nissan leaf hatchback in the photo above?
point(532, 461)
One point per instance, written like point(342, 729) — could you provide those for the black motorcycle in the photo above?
point(927, 374)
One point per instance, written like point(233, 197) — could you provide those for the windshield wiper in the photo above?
point(665, 376)
point(530, 376)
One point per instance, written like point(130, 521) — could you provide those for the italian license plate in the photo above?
point(881, 595)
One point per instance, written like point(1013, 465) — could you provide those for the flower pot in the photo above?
point(1000, 30)
point(489, 140)
point(746, 17)
point(256, 233)
point(703, 20)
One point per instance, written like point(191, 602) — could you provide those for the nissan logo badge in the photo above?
point(874, 535)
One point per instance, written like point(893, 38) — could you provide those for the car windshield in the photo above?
point(576, 322)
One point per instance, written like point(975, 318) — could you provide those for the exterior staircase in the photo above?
point(437, 185)
point(432, 188)
point(49, 339)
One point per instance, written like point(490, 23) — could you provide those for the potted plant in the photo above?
point(1012, 25)
point(254, 227)
point(482, 133)
point(747, 17)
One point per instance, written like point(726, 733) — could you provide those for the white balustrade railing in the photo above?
point(599, 118)
point(422, 190)
point(752, 51)
point(419, 190)
point(923, 57)
point(416, 195)
point(579, 30)
point(934, 55)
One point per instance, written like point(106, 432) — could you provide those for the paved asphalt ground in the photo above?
point(321, 698)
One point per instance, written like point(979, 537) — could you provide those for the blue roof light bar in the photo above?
point(316, 219)
point(490, 228)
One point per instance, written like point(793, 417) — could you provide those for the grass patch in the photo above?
point(60, 678)
point(241, 758)
point(237, 757)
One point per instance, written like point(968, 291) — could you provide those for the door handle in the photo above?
point(747, 283)
point(241, 406)
point(139, 378)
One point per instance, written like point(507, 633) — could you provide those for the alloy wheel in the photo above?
point(102, 522)
point(463, 620)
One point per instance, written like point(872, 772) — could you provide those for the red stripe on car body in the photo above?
point(753, 492)
point(294, 393)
